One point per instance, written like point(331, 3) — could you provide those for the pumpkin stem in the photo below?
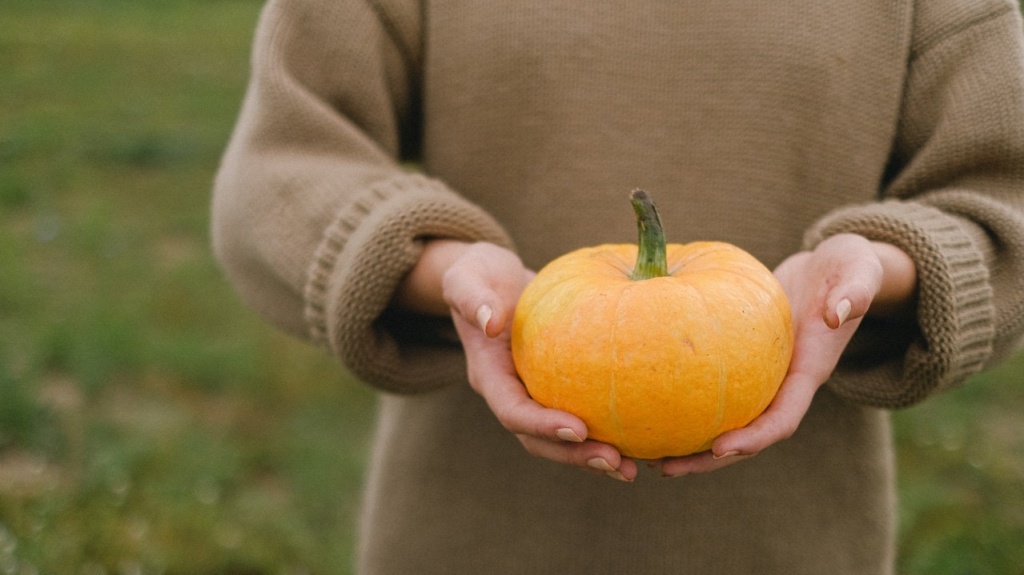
point(651, 261)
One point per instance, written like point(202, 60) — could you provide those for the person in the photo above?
point(400, 169)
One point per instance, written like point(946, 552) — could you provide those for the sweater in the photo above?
point(372, 126)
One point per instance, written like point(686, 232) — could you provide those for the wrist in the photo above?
point(898, 291)
point(421, 291)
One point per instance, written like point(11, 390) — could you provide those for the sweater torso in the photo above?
point(746, 127)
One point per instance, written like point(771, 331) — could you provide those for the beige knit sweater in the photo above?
point(766, 124)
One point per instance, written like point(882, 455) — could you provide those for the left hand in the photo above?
point(830, 290)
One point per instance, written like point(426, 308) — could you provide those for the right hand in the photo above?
point(480, 284)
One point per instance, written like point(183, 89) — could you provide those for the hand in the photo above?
point(479, 285)
point(830, 290)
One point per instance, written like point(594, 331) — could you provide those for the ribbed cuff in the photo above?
point(366, 252)
point(955, 311)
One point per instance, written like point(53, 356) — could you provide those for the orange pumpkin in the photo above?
point(659, 349)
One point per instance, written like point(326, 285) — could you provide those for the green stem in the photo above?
point(650, 260)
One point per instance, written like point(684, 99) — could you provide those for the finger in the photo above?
point(492, 375)
point(492, 316)
point(591, 456)
point(847, 301)
point(520, 414)
point(484, 315)
point(484, 290)
point(777, 423)
point(470, 296)
point(851, 296)
point(836, 315)
point(477, 304)
point(523, 416)
point(484, 310)
point(704, 462)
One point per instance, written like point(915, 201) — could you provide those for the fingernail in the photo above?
point(618, 476)
point(566, 434)
point(483, 315)
point(600, 464)
point(843, 310)
point(726, 454)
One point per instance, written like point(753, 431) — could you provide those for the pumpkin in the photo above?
point(658, 348)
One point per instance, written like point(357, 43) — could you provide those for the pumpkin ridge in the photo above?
point(627, 266)
point(620, 435)
point(723, 378)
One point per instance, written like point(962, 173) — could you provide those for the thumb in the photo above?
point(847, 301)
point(484, 287)
point(483, 309)
point(487, 322)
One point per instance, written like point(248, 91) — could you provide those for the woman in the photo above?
point(872, 153)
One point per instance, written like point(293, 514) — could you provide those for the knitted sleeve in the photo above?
point(314, 219)
point(954, 200)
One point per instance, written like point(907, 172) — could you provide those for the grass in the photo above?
point(151, 424)
point(961, 466)
point(148, 422)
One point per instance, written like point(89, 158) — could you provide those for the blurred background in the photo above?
point(151, 424)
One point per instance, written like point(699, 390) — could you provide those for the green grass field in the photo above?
point(151, 424)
